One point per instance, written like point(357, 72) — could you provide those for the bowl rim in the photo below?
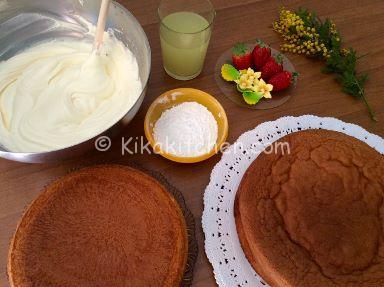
point(42, 156)
point(179, 159)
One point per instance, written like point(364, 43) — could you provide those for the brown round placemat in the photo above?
point(230, 91)
point(189, 219)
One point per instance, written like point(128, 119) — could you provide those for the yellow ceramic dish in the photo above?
point(175, 97)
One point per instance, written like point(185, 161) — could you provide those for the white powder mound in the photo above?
point(186, 130)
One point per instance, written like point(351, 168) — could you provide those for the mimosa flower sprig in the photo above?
point(305, 33)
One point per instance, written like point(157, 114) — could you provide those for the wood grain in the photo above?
point(362, 26)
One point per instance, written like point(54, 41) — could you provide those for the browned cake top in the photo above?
point(101, 226)
point(315, 217)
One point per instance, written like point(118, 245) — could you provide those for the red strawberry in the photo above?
point(282, 80)
point(272, 67)
point(241, 56)
point(260, 54)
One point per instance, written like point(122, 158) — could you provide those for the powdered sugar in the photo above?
point(186, 130)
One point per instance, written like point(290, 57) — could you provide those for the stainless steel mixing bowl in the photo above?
point(26, 22)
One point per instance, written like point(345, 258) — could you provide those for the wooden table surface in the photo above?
point(362, 26)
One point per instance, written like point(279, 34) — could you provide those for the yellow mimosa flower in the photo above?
point(265, 89)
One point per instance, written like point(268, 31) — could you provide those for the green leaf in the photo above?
point(252, 98)
point(260, 43)
point(341, 62)
point(279, 58)
point(240, 49)
point(229, 73)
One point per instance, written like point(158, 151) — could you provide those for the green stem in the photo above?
point(362, 95)
point(362, 56)
point(370, 110)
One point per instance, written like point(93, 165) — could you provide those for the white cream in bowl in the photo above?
point(57, 94)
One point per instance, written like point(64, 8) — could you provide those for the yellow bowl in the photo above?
point(175, 97)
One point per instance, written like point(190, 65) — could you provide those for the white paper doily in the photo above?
point(222, 245)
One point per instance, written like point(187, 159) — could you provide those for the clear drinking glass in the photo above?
point(185, 31)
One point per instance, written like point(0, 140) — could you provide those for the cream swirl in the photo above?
point(59, 93)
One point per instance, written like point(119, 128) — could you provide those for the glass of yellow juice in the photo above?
point(185, 31)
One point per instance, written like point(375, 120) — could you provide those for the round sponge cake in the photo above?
point(101, 226)
point(313, 215)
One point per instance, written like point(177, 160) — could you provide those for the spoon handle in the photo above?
point(101, 24)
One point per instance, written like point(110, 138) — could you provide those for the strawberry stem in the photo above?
point(240, 49)
point(279, 59)
point(260, 43)
point(295, 75)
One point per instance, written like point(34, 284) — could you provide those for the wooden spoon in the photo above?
point(103, 14)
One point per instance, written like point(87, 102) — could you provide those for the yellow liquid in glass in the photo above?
point(184, 40)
